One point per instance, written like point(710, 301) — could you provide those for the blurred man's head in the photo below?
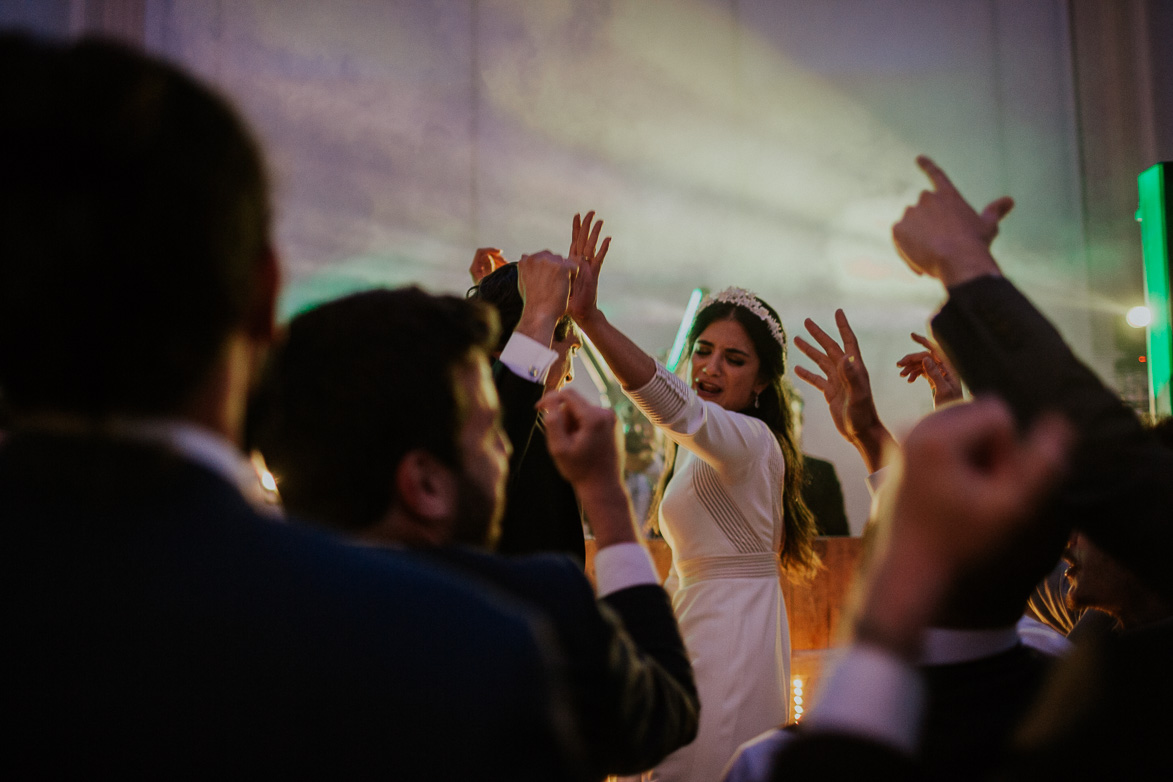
point(134, 228)
point(992, 589)
point(379, 417)
point(500, 290)
point(1096, 579)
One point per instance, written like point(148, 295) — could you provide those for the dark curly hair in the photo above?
point(357, 384)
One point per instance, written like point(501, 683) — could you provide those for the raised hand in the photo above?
point(584, 237)
point(485, 262)
point(933, 364)
point(585, 440)
point(847, 388)
point(544, 281)
point(943, 236)
point(586, 444)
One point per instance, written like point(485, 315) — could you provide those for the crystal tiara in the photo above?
point(740, 297)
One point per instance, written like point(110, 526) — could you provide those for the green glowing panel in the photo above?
point(1153, 215)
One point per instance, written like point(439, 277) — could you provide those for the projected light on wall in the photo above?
point(766, 145)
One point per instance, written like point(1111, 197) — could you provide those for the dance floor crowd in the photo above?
point(410, 601)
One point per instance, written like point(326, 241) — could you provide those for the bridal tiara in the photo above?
point(740, 297)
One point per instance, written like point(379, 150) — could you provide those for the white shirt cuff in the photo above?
point(527, 358)
point(623, 565)
point(873, 694)
point(876, 480)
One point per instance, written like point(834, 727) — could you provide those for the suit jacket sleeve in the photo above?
point(841, 756)
point(631, 683)
point(519, 413)
point(635, 686)
point(541, 510)
point(824, 496)
point(655, 697)
point(1118, 489)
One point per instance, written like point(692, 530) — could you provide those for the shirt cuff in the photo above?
point(527, 358)
point(876, 480)
point(623, 565)
point(662, 398)
point(872, 694)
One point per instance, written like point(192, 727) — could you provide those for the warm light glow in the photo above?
point(266, 478)
point(1139, 317)
point(796, 698)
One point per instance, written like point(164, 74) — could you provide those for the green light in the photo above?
point(1153, 215)
point(677, 351)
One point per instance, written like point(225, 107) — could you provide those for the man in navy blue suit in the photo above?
point(380, 418)
point(158, 620)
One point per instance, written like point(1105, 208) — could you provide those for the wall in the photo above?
point(763, 144)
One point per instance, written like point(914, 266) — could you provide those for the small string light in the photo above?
point(796, 697)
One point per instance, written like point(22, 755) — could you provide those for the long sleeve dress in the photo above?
point(722, 516)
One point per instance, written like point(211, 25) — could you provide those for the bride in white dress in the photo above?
point(732, 510)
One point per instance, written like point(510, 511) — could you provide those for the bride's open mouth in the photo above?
point(707, 389)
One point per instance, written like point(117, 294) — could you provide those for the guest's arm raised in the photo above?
point(632, 366)
point(586, 444)
point(543, 280)
point(486, 261)
point(932, 363)
point(942, 236)
point(965, 483)
point(847, 389)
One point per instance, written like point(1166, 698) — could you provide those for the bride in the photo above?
point(732, 509)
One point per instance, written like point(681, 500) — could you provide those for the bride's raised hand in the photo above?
point(583, 240)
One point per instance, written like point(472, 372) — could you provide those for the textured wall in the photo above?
point(763, 144)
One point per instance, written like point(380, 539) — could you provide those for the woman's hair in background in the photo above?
point(774, 409)
point(499, 288)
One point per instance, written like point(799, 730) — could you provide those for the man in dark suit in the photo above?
point(159, 622)
point(1117, 491)
point(533, 355)
point(379, 417)
point(824, 496)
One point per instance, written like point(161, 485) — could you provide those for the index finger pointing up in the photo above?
point(941, 182)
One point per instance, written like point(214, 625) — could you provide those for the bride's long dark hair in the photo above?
point(772, 407)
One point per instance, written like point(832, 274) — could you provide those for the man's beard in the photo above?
point(478, 516)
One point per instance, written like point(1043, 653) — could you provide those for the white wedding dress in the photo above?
point(722, 516)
